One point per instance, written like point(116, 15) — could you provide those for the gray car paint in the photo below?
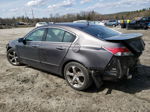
point(86, 50)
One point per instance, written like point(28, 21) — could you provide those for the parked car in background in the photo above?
point(41, 24)
point(89, 22)
point(82, 53)
point(80, 21)
point(49, 23)
point(140, 23)
point(145, 20)
point(137, 24)
point(22, 23)
point(112, 23)
point(97, 23)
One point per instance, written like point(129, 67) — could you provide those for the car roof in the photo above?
point(70, 24)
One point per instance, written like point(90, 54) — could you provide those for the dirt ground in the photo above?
point(24, 89)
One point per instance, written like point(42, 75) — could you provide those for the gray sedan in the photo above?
point(81, 53)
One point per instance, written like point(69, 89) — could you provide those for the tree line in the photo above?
point(92, 15)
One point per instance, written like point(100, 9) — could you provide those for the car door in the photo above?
point(54, 48)
point(29, 50)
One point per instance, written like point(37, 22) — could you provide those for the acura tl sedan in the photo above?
point(83, 54)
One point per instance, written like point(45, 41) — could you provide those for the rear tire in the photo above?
point(77, 76)
point(12, 57)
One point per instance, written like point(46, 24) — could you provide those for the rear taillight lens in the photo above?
point(121, 51)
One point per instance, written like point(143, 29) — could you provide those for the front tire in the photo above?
point(77, 76)
point(12, 57)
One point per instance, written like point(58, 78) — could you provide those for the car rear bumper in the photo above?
point(120, 67)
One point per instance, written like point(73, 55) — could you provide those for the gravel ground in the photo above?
point(24, 89)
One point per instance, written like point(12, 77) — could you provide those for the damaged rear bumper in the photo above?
point(120, 67)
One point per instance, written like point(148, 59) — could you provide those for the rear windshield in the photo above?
point(99, 31)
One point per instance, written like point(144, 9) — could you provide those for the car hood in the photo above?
point(13, 43)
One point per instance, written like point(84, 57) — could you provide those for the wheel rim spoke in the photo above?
point(80, 74)
point(79, 82)
point(12, 59)
point(69, 73)
point(14, 53)
point(74, 79)
point(11, 55)
point(15, 59)
point(74, 70)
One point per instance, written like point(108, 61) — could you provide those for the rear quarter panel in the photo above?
point(88, 51)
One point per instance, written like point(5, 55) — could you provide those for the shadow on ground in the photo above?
point(139, 82)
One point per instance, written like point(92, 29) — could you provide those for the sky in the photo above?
point(45, 8)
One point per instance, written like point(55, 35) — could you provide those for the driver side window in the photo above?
point(36, 35)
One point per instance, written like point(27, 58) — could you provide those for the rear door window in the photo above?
point(55, 35)
point(68, 37)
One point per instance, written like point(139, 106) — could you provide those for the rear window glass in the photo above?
point(68, 37)
point(99, 31)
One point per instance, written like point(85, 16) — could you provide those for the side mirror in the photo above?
point(22, 40)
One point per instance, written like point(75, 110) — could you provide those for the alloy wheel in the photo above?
point(12, 57)
point(75, 76)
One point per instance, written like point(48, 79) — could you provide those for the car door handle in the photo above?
point(60, 48)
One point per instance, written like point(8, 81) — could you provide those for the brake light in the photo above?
point(116, 50)
point(121, 51)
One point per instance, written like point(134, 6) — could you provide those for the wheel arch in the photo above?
point(8, 48)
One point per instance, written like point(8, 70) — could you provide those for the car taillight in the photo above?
point(121, 51)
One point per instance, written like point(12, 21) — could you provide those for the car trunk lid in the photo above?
point(132, 41)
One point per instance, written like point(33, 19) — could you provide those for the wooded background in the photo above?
point(92, 15)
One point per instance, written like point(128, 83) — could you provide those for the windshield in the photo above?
point(99, 31)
